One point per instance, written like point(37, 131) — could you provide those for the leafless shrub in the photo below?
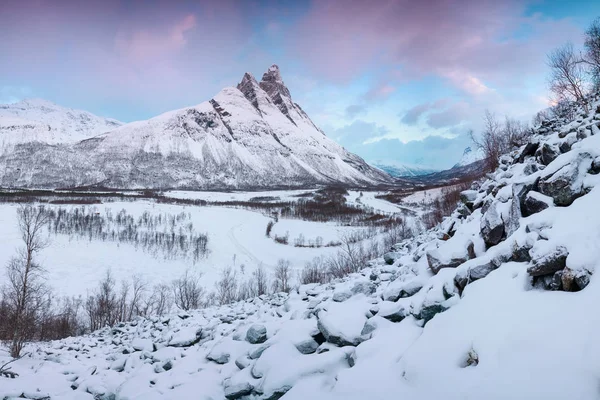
point(592, 51)
point(24, 294)
point(314, 271)
point(282, 276)
point(269, 228)
point(188, 293)
point(567, 75)
point(103, 307)
point(227, 286)
point(260, 280)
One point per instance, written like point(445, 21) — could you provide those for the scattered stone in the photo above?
point(389, 258)
point(436, 263)
point(468, 197)
point(429, 311)
point(492, 226)
point(256, 334)
point(550, 263)
point(307, 346)
point(256, 353)
point(220, 357)
point(341, 296)
point(564, 186)
point(528, 151)
point(536, 202)
point(242, 362)
point(238, 390)
point(548, 154)
point(364, 287)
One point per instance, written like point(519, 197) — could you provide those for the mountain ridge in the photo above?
point(245, 137)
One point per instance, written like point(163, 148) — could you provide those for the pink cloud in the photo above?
point(468, 43)
point(144, 45)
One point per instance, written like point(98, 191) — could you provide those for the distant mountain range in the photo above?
point(246, 137)
point(401, 170)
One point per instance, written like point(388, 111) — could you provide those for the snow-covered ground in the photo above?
point(497, 302)
point(236, 237)
point(277, 195)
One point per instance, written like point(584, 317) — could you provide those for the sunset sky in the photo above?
point(391, 80)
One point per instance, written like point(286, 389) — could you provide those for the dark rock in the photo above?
point(436, 263)
point(337, 339)
point(556, 283)
point(307, 346)
point(239, 390)
point(396, 316)
point(564, 147)
point(528, 151)
point(548, 154)
point(582, 279)
point(389, 258)
point(568, 280)
point(530, 168)
point(563, 185)
point(468, 197)
point(256, 334)
point(481, 271)
point(550, 263)
point(429, 311)
point(492, 226)
point(364, 287)
point(595, 169)
point(535, 202)
point(370, 327)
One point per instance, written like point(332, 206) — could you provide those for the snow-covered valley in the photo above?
point(494, 302)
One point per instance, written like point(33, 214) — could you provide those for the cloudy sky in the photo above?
point(392, 80)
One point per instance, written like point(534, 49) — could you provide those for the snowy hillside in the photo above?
point(401, 170)
point(252, 136)
point(469, 157)
point(496, 303)
point(37, 120)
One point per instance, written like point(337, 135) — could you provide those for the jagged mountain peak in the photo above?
point(272, 83)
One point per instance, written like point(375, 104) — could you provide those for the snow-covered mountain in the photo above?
point(37, 120)
point(246, 137)
point(402, 170)
point(470, 156)
point(497, 302)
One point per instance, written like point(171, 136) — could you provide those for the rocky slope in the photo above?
point(251, 136)
point(497, 302)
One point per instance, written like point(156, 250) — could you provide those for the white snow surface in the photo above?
point(37, 120)
point(499, 335)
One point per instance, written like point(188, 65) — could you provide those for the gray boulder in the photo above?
point(238, 390)
point(550, 263)
point(548, 154)
point(564, 186)
point(389, 258)
point(256, 334)
point(468, 197)
point(528, 151)
point(536, 202)
point(307, 346)
point(436, 261)
point(492, 226)
point(364, 287)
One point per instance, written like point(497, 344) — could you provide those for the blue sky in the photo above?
point(401, 81)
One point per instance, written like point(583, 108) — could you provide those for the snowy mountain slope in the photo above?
point(252, 136)
point(37, 120)
point(403, 170)
point(470, 156)
point(495, 303)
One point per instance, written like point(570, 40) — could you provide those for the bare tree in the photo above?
point(314, 271)
point(282, 277)
point(592, 51)
point(25, 289)
point(227, 286)
point(188, 293)
point(261, 280)
point(491, 141)
point(567, 75)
